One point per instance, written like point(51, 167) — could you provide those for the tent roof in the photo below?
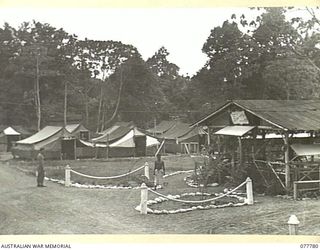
point(178, 130)
point(234, 130)
point(303, 115)
point(112, 135)
point(72, 128)
point(162, 127)
point(109, 130)
point(11, 131)
point(43, 134)
point(193, 132)
point(124, 124)
point(91, 144)
point(128, 140)
point(306, 149)
point(18, 128)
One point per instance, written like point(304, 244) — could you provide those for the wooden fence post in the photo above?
point(293, 223)
point(146, 170)
point(144, 198)
point(249, 191)
point(67, 181)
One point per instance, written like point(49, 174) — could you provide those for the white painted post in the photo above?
point(293, 223)
point(67, 181)
point(249, 191)
point(146, 170)
point(144, 198)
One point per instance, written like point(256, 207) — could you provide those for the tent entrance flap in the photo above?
point(68, 149)
point(234, 130)
point(306, 149)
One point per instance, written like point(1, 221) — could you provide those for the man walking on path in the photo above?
point(40, 169)
point(159, 172)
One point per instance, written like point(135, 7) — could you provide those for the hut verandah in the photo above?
point(260, 138)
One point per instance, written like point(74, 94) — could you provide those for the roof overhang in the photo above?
point(234, 130)
point(306, 149)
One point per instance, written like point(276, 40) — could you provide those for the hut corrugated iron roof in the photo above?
point(294, 115)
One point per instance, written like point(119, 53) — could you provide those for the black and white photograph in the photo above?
point(160, 121)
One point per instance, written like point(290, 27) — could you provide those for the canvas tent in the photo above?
point(49, 138)
point(134, 143)
point(112, 134)
point(192, 140)
point(117, 125)
point(78, 131)
point(161, 128)
point(10, 134)
point(180, 136)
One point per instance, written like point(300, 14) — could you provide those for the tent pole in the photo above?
point(108, 146)
point(75, 149)
point(208, 136)
point(286, 159)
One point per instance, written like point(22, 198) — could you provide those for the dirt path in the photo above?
point(26, 209)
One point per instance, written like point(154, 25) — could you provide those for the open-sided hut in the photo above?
point(260, 132)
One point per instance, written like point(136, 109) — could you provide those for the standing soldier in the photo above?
point(159, 171)
point(40, 170)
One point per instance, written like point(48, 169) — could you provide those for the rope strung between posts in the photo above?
point(202, 201)
point(178, 172)
point(108, 177)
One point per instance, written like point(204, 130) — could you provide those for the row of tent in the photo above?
point(121, 140)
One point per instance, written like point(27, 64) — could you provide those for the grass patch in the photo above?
point(107, 167)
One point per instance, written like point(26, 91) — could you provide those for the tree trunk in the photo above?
point(65, 104)
point(38, 104)
point(99, 110)
point(86, 109)
point(119, 98)
point(104, 111)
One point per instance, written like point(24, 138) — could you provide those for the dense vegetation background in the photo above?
point(44, 70)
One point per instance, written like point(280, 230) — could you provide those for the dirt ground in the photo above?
point(55, 209)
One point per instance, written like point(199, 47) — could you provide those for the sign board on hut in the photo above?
point(239, 118)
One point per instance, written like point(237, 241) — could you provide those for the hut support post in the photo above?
point(209, 136)
point(286, 159)
point(240, 152)
point(295, 190)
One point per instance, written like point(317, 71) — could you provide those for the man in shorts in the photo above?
point(159, 172)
